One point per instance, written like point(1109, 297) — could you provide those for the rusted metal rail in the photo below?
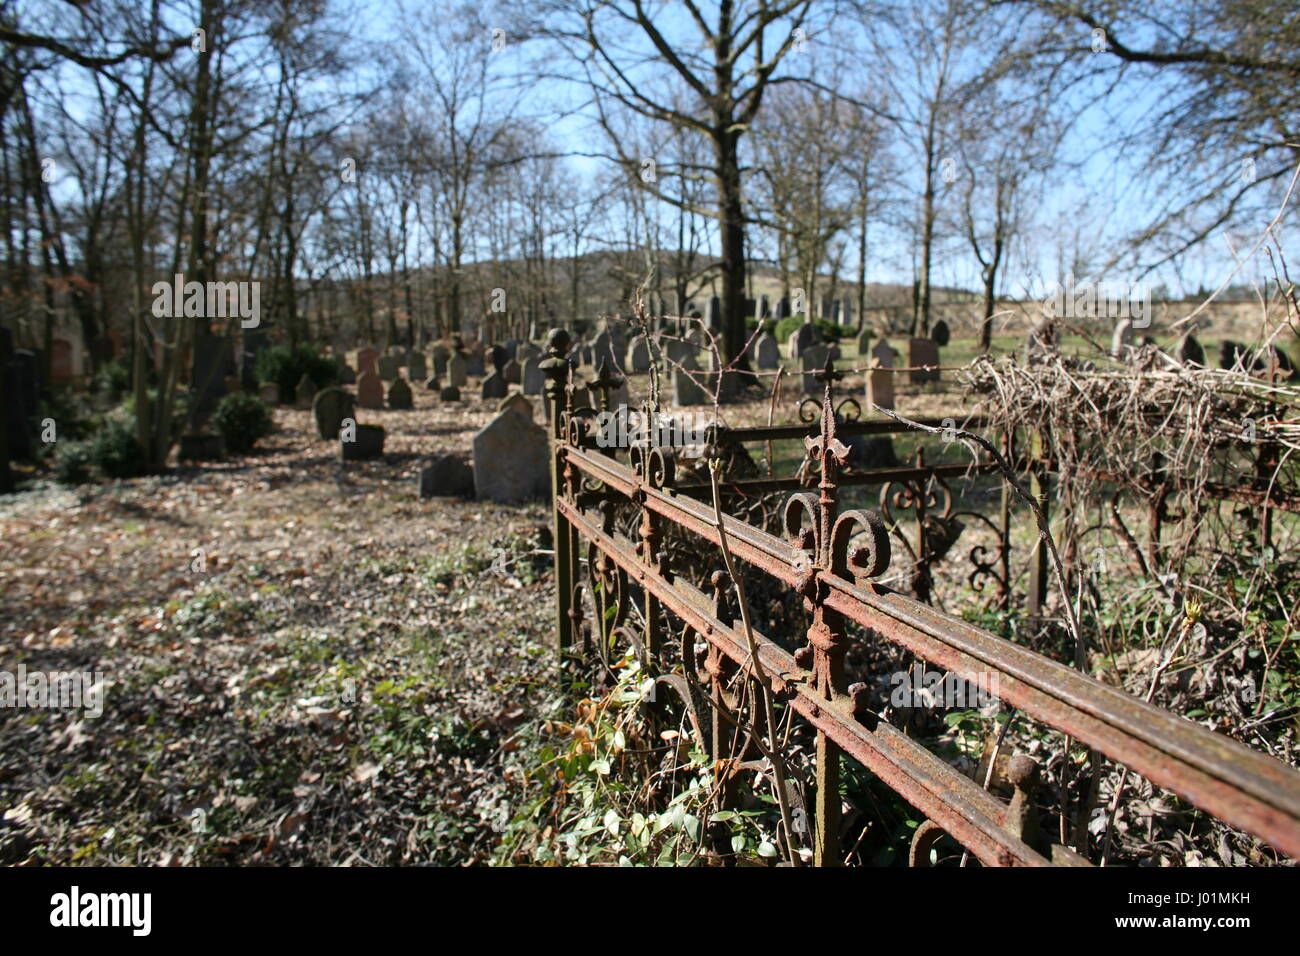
point(833, 559)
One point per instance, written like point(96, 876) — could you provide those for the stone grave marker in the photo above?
point(494, 386)
point(370, 390)
point(532, 378)
point(269, 393)
point(304, 393)
point(388, 367)
point(1190, 351)
point(457, 374)
point(767, 352)
point(511, 372)
point(923, 352)
point(330, 407)
point(61, 370)
point(813, 360)
point(416, 367)
point(638, 354)
point(447, 476)
point(511, 459)
point(367, 441)
point(399, 396)
point(449, 393)
point(940, 333)
point(367, 361)
point(516, 402)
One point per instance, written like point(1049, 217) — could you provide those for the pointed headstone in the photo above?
point(512, 460)
point(494, 386)
point(940, 333)
point(517, 403)
point(399, 396)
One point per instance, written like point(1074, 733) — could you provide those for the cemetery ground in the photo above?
point(307, 663)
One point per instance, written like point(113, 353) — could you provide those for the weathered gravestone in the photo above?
point(347, 374)
point(923, 352)
point(269, 393)
point(864, 341)
point(61, 370)
point(604, 349)
point(330, 407)
point(498, 356)
point(866, 453)
point(447, 476)
point(388, 367)
point(416, 367)
point(510, 372)
point(526, 351)
point(450, 394)
point(638, 354)
point(880, 379)
point(304, 393)
point(813, 359)
point(685, 389)
point(1041, 342)
point(494, 386)
point(511, 460)
point(399, 396)
point(367, 361)
point(440, 355)
point(804, 337)
point(457, 374)
point(533, 379)
point(724, 383)
point(767, 353)
point(517, 403)
point(370, 390)
point(474, 361)
point(941, 334)
point(432, 384)
point(360, 442)
point(1190, 351)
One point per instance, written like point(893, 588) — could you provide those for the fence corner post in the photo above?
point(556, 369)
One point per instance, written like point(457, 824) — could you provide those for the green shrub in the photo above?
point(286, 366)
point(114, 379)
point(72, 462)
point(830, 332)
point(241, 420)
point(114, 450)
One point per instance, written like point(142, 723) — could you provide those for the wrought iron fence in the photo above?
point(833, 559)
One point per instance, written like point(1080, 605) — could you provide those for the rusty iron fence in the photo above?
point(833, 558)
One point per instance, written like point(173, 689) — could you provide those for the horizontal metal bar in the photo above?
point(970, 814)
point(867, 476)
point(1242, 787)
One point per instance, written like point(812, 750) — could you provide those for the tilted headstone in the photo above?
point(330, 407)
point(370, 390)
point(884, 354)
point(940, 333)
point(532, 378)
point(1190, 351)
point(456, 371)
point(304, 393)
point(494, 386)
point(767, 352)
point(367, 361)
point(388, 367)
point(923, 352)
point(864, 342)
point(447, 476)
point(399, 396)
point(512, 460)
point(511, 372)
point(813, 360)
point(516, 402)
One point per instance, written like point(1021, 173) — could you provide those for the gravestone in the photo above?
point(532, 378)
point(1121, 338)
point(367, 361)
point(440, 355)
point(685, 390)
point(61, 371)
point(330, 407)
point(399, 396)
point(517, 403)
point(638, 354)
point(884, 354)
point(1190, 351)
point(604, 348)
point(498, 356)
point(450, 394)
point(432, 384)
point(864, 342)
point(804, 337)
point(388, 367)
point(511, 460)
point(370, 390)
point(767, 353)
point(446, 476)
point(416, 367)
point(512, 349)
point(367, 441)
point(347, 374)
point(457, 375)
point(474, 361)
point(813, 360)
point(510, 372)
point(526, 351)
point(21, 396)
point(940, 334)
point(783, 309)
point(867, 453)
point(269, 393)
point(253, 343)
point(1230, 352)
point(494, 386)
point(923, 352)
point(880, 378)
point(715, 313)
point(304, 393)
